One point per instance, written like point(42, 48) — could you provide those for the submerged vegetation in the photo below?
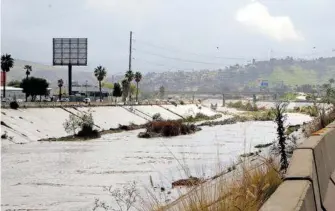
point(167, 129)
point(81, 126)
point(243, 106)
point(309, 110)
point(201, 117)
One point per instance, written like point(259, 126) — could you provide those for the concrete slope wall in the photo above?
point(150, 111)
point(32, 124)
point(310, 180)
point(110, 117)
point(189, 110)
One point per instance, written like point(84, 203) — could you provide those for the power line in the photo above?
point(179, 59)
point(163, 65)
point(192, 53)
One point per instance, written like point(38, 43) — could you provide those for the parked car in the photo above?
point(87, 100)
point(98, 100)
point(64, 100)
point(19, 100)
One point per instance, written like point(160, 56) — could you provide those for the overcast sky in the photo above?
point(170, 34)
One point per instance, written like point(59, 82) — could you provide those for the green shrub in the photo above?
point(289, 96)
point(88, 132)
point(4, 136)
point(83, 123)
point(292, 128)
point(246, 107)
point(157, 117)
point(201, 117)
point(14, 105)
point(167, 129)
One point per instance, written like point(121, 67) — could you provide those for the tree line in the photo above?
point(33, 86)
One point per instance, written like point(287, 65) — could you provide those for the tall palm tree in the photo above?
point(125, 89)
point(138, 78)
point(7, 62)
point(100, 73)
point(28, 69)
point(130, 77)
point(60, 85)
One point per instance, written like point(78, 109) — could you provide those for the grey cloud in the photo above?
point(190, 25)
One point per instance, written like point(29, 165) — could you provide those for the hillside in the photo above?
point(49, 72)
point(278, 71)
point(287, 71)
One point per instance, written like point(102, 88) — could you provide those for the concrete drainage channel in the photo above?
point(45, 123)
point(309, 184)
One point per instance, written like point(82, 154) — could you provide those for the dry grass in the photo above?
point(245, 189)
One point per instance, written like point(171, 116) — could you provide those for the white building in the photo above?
point(15, 93)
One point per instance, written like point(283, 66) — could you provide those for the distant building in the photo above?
point(16, 93)
point(89, 91)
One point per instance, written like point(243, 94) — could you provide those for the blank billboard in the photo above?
point(70, 51)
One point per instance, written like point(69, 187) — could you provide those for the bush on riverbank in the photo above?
point(14, 105)
point(81, 126)
point(292, 128)
point(309, 110)
point(157, 117)
point(241, 106)
point(167, 129)
point(268, 115)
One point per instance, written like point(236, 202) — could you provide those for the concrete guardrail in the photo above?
point(309, 183)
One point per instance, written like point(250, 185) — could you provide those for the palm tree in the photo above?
point(7, 63)
point(138, 78)
point(60, 85)
point(28, 69)
point(125, 89)
point(100, 73)
point(130, 77)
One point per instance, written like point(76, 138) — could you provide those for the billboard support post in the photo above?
point(70, 52)
point(70, 79)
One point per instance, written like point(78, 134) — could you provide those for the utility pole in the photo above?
point(130, 48)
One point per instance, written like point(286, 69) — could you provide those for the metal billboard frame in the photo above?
point(69, 52)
